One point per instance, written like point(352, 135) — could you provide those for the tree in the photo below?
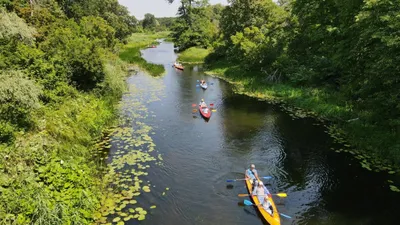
point(194, 26)
point(18, 97)
point(13, 27)
point(150, 22)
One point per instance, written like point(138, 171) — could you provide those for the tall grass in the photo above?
point(365, 136)
point(194, 55)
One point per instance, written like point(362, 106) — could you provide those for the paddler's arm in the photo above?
point(246, 175)
point(256, 175)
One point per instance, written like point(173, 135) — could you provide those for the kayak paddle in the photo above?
point(282, 195)
point(233, 180)
point(249, 203)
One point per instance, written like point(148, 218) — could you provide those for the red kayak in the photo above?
point(205, 111)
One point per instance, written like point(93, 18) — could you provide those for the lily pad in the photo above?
point(141, 217)
point(394, 188)
point(146, 189)
point(116, 219)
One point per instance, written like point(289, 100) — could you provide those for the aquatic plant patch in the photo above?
point(131, 153)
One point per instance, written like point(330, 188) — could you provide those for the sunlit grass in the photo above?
point(194, 55)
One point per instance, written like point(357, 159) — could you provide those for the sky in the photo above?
point(159, 8)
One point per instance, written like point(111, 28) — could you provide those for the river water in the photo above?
point(323, 187)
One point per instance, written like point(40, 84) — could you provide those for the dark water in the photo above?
point(323, 187)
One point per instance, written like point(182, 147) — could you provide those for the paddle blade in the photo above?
point(230, 180)
point(194, 110)
point(282, 195)
point(284, 215)
point(197, 85)
point(267, 177)
point(193, 105)
point(243, 195)
point(247, 202)
point(197, 80)
point(211, 104)
point(214, 110)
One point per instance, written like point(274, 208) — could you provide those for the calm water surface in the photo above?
point(323, 187)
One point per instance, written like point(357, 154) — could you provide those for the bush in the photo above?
point(18, 97)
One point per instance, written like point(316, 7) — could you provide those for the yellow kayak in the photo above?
point(272, 220)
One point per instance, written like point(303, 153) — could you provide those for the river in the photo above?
point(323, 187)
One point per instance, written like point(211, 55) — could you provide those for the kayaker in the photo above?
point(252, 175)
point(259, 191)
point(203, 104)
point(267, 205)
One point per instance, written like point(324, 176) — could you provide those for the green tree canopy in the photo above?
point(150, 22)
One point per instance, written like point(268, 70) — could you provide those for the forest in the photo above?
point(335, 58)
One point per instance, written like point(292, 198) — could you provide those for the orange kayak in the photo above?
point(271, 219)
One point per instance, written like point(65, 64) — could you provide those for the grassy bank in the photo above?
point(375, 146)
point(131, 52)
point(49, 175)
point(193, 55)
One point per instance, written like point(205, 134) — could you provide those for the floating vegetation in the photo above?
point(394, 188)
point(129, 156)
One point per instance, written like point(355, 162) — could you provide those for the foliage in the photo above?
point(18, 96)
point(12, 26)
point(165, 23)
point(116, 15)
point(59, 84)
point(150, 22)
point(46, 173)
point(342, 48)
point(194, 26)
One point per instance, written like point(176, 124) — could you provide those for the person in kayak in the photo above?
point(252, 175)
point(267, 206)
point(259, 191)
point(203, 104)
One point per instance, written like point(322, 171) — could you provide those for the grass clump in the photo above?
point(194, 55)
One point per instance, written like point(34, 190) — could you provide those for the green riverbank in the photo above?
point(372, 144)
point(131, 52)
point(49, 174)
point(53, 173)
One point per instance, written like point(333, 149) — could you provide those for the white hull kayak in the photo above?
point(204, 86)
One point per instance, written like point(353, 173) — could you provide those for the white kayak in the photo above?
point(204, 86)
